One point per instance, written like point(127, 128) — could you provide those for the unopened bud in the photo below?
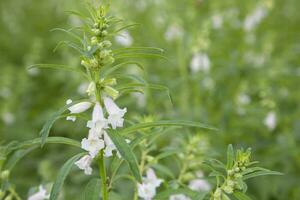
point(111, 92)
point(106, 44)
point(4, 175)
point(104, 33)
point(94, 40)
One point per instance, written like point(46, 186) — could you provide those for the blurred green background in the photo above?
point(232, 64)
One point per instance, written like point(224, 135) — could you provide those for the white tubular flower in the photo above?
point(179, 197)
point(255, 18)
point(200, 62)
point(84, 163)
point(147, 189)
point(93, 144)
point(270, 121)
point(98, 122)
point(80, 107)
point(124, 39)
point(116, 114)
point(152, 179)
point(110, 146)
point(199, 185)
point(174, 32)
point(40, 195)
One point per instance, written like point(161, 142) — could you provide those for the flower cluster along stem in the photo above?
point(102, 173)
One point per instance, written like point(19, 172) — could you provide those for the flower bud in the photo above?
point(84, 63)
point(96, 25)
point(2, 193)
point(104, 33)
point(94, 40)
point(228, 189)
point(236, 169)
point(230, 172)
point(96, 31)
point(94, 62)
point(113, 93)
point(106, 44)
point(4, 175)
point(9, 197)
point(110, 60)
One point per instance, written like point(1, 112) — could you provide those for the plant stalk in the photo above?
point(102, 173)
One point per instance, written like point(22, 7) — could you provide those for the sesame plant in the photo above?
point(115, 148)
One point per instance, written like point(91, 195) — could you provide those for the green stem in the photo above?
point(102, 173)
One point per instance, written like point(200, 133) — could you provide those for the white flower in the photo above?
point(271, 120)
point(8, 118)
point(85, 164)
point(217, 21)
point(199, 185)
point(173, 32)
point(254, 18)
point(98, 122)
point(40, 195)
point(93, 144)
point(116, 114)
point(140, 99)
point(200, 62)
point(179, 197)
point(147, 189)
point(82, 88)
point(110, 146)
point(71, 118)
point(243, 99)
point(124, 39)
point(80, 107)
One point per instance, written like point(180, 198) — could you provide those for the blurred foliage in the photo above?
point(252, 73)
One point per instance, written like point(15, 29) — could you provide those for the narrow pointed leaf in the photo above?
point(62, 175)
point(230, 156)
point(166, 123)
point(241, 196)
point(126, 153)
point(92, 190)
point(44, 133)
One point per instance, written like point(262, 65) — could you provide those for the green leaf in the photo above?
point(17, 156)
point(164, 170)
point(260, 173)
point(107, 71)
point(230, 156)
point(50, 140)
point(167, 193)
point(92, 190)
point(44, 133)
point(126, 153)
point(241, 196)
point(126, 49)
point(178, 123)
point(62, 175)
point(58, 67)
point(145, 85)
point(68, 32)
point(126, 27)
point(140, 55)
